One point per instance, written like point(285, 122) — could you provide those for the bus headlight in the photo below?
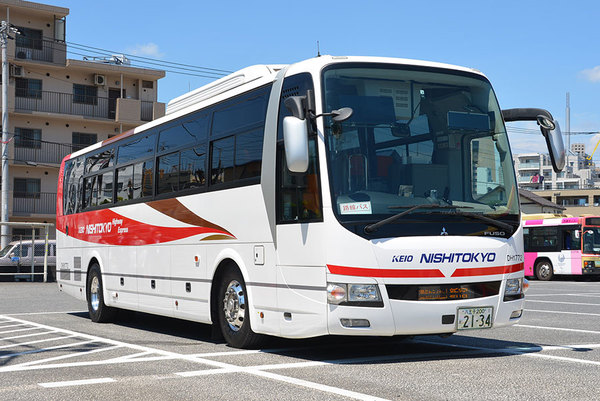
point(363, 293)
point(354, 294)
point(514, 289)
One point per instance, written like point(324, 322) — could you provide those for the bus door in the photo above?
point(301, 276)
point(570, 254)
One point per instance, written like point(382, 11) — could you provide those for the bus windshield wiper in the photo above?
point(477, 216)
point(373, 227)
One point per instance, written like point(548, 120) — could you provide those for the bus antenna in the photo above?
point(318, 50)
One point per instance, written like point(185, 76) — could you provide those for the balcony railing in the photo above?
point(80, 105)
point(27, 150)
point(64, 103)
point(523, 166)
point(41, 50)
point(25, 203)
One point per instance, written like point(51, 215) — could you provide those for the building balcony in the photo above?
point(49, 51)
point(131, 111)
point(32, 152)
point(38, 203)
point(529, 166)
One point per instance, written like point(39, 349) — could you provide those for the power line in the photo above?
point(141, 61)
point(147, 60)
point(151, 59)
point(193, 72)
point(164, 69)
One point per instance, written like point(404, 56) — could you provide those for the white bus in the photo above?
point(337, 195)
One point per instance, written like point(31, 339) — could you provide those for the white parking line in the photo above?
point(58, 358)
point(557, 328)
point(345, 361)
point(35, 351)
point(28, 335)
point(77, 382)
point(560, 302)
point(34, 342)
point(17, 330)
point(528, 351)
point(563, 312)
point(12, 325)
point(585, 295)
point(174, 355)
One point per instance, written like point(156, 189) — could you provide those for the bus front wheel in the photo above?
point(98, 311)
point(544, 270)
point(234, 313)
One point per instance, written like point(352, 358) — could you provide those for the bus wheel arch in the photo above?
point(94, 291)
point(543, 269)
point(230, 309)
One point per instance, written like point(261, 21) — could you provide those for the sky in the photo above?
point(533, 52)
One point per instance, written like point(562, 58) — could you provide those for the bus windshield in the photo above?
point(418, 136)
point(591, 240)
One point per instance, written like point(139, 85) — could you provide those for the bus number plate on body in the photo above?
point(475, 318)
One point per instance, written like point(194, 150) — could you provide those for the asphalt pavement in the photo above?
point(50, 350)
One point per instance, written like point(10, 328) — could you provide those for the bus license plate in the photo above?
point(475, 318)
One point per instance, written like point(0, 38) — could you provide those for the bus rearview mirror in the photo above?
point(549, 128)
point(295, 141)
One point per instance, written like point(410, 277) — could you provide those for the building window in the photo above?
point(29, 38)
point(21, 233)
point(27, 188)
point(31, 88)
point(85, 94)
point(82, 140)
point(147, 84)
point(28, 138)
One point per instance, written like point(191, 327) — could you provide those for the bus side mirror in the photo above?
point(551, 131)
point(549, 128)
point(295, 141)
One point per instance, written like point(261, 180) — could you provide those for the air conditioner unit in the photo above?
point(16, 71)
point(99, 80)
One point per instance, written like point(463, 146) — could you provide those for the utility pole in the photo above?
point(5, 30)
point(568, 127)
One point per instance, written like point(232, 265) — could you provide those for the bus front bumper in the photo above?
point(398, 317)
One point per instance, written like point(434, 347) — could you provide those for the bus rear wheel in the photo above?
point(234, 313)
point(98, 311)
point(544, 270)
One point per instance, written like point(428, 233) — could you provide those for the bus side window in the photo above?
point(299, 198)
point(298, 194)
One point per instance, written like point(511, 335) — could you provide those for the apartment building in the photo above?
point(58, 105)
point(579, 172)
point(576, 188)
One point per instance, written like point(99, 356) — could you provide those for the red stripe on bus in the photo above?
point(398, 273)
point(487, 271)
point(108, 227)
point(418, 273)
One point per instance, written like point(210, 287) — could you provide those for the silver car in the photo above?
point(15, 260)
